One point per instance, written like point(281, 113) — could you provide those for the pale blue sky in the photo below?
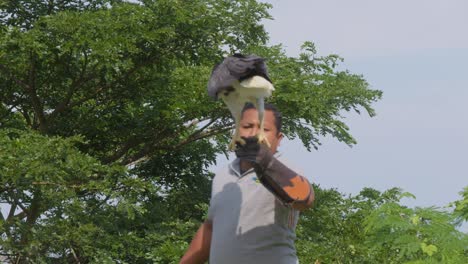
point(416, 53)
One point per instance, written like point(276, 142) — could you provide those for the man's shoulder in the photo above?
point(225, 172)
point(229, 168)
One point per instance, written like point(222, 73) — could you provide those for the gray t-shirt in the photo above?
point(249, 224)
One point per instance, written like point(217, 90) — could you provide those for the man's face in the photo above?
point(250, 126)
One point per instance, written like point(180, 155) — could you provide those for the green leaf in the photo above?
point(428, 249)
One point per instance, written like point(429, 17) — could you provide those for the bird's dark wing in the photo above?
point(221, 79)
point(244, 67)
point(237, 67)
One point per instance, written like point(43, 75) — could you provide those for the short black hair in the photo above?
point(270, 107)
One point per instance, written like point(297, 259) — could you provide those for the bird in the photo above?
point(241, 79)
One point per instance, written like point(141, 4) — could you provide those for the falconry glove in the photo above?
point(284, 183)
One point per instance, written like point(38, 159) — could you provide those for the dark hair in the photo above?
point(270, 107)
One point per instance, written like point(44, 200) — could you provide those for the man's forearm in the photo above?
point(199, 249)
point(285, 183)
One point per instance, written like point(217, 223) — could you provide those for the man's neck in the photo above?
point(244, 166)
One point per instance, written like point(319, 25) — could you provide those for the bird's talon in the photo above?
point(232, 145)
point(264, 140)
point(235, 142)
point(241, 141)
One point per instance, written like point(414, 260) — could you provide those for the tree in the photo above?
point(373, 227)
point(421, 235)
point(118, 90)
point(23, 13)
point(333, 231)
point(461, 206)
point(54, 192)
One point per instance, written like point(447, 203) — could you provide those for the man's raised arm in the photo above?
point(287, 185)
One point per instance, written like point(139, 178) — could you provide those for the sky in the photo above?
point(416, 53)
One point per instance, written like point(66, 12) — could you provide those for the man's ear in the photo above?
point(280, 137)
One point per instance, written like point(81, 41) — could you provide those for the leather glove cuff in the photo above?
point(283, 182)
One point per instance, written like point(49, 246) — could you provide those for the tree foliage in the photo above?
point(373, 227)
point(107, 133)
point(461, 206)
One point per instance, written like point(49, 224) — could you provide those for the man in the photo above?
point(246, 222)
